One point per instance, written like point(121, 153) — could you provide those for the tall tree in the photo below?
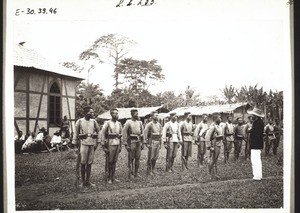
point(112, 48)
point(139, 75)
point(90, 59)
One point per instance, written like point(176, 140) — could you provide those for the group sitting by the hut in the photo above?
point(37, 142)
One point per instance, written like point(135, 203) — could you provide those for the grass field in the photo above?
point(46, 181)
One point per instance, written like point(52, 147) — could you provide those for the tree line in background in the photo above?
point(133, 79)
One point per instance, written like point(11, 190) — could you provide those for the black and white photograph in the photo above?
point(148, 105)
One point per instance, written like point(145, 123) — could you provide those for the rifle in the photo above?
point(168, 136)
point(130, 162)
point(77, 169)
point(149, 165)
point(106, 168)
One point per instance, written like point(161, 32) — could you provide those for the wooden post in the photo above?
point(40, 103)
point(68, 103)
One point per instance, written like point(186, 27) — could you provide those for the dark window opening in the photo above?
point(54, 105)
point(54, 88)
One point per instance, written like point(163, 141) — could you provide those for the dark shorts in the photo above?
point(187, 148)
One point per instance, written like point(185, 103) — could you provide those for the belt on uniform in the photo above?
point(84, 136)
point(112, 136)
point(228, 134)
point(156, 137)
point(186, 133)
point(134, 137)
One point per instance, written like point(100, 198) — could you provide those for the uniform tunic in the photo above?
point(87, 127)
point(239, 135)
point(229, 131)
point(152, 134)
point(199, 135)
point(200, 130)
point(173, 127)
point(269, 130)
point(214, 134)
point(186, 130)
point(110, 135)
point(110, 132)
point(247, 128)
point(131, 130)
point(239, 132)
point(155, 129)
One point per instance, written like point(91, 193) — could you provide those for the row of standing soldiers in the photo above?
point(134, 136)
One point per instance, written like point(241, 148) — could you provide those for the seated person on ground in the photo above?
point(56, 140)
point(29, 143)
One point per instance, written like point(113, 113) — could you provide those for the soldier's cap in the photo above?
point(42, 129)
point(239, 118)
point(133, 110)
point(230, 115)
point(187, 113)
point(172, 113)
point(87, 109)
point(113, 109)
point(154, 112)
point(57, 132)
point(205, 114)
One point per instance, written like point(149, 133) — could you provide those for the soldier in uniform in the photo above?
point(111, 143)
point(86, 137)
point(277, 132)
point(228, 138)
point(270, 136)
point(238, 138)
point(133, 142)
point(186, 130)
point(247, 128)
point(171, 137)
point(153, 140)
point(215, 136)
point(199, 136)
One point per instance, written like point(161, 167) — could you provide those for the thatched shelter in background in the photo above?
point(124, 113)
point(236, 109)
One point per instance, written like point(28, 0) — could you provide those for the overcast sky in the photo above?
point(203, 44)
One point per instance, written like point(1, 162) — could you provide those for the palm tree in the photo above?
point(229, 94)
